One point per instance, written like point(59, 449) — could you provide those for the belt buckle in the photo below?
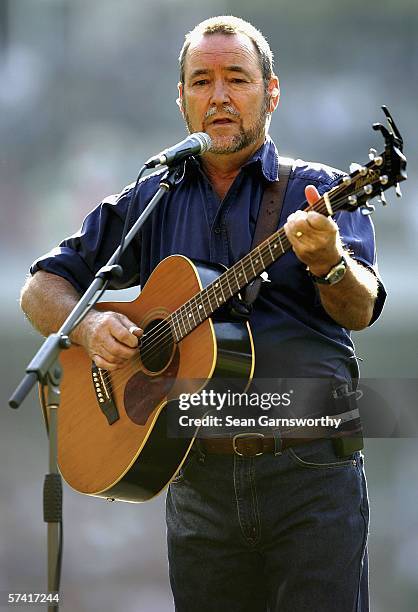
point(258, 435)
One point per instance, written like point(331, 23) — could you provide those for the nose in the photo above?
point(220, 93)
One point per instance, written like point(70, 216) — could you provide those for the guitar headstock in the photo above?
point(371, 180)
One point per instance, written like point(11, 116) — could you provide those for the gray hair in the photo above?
point(229, 25)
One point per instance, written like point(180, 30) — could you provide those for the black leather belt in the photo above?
point(250, 444)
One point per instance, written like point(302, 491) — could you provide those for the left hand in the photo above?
point(315, 238)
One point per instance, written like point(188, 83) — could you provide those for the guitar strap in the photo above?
point(268, 220)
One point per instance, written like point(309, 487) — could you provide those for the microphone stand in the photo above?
point(45, 369)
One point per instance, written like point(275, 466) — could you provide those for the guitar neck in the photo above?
point(206, 302)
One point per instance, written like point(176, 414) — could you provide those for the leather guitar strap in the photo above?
point(268, 220)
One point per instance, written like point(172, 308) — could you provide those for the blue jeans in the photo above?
point(284, 533)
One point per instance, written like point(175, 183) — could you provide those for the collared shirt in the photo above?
point(293, 334)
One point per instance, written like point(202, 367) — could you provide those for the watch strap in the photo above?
point(333, 276)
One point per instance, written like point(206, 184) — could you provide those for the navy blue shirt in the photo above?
point(293, 335)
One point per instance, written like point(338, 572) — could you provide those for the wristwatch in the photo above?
point(334, 276)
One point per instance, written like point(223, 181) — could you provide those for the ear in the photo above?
point(179, 100)
point(274, 93)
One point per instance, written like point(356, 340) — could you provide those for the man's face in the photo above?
point(224, 93)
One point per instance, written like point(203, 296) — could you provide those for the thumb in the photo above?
point(311, 194)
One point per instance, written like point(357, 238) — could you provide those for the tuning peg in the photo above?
point(382, 198)
point(354, 166)
point(384, 179)
point(367, 209)
point(362, 170)
point(352, 200)
point(385, 132)
point(398, 190)
point(368, 189)
point(372, 153)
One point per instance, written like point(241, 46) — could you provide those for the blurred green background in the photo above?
point(87, 93)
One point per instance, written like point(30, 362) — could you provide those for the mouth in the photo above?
point(222, 121)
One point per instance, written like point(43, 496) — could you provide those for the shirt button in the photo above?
point(217, 230)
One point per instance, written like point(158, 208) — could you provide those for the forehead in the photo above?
point(211, 51)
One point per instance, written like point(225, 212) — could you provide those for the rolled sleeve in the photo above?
point(358, 237)
point(79, 257)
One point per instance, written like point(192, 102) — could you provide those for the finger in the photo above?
point(120, 330)
point(121, 351)
point(136, 331)
point(104, 364)
point(311, 194)
point(321, 222)
point(298, 215)
point(110, 351)
point(297, 226)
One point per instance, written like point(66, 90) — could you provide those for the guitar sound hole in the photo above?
point(156, 347)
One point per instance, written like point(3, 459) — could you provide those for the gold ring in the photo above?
point(299, 234)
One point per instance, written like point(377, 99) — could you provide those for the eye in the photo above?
point(238, 80)
point(200, 83)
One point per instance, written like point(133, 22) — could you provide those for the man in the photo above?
point(286, 529)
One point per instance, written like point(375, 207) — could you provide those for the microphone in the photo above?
point(194, 144)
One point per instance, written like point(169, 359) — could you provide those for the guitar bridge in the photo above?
point(103, 390)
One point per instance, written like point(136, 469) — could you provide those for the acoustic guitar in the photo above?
point(112, 426)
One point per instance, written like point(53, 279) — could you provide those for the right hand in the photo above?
point(107, 339)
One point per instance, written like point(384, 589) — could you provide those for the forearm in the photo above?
point(47, 300)
point(109, 338)
point(350, 302)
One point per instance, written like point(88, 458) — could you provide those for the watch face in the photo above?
point(336, 274)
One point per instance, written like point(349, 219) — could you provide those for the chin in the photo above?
point(225, 144)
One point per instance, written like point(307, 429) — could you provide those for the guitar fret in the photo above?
point(222, 299)
point(175, 322)
point(181, 322)
point(280, 240)
point(250, 273)
point(252, 265)
point(236, 278)
point(198, 309)
point(201, 307)
point(191, 314)
point(206, 296)
point(262, 260)
point(229, 286)
point(173, 325)
point(259, 268)
point(189, 320)
point(215, 296)
point(185, 319)
point(243, 270)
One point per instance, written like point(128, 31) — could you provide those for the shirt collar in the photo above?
point(265, 158)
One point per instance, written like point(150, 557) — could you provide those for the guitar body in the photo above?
point(112, 426)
